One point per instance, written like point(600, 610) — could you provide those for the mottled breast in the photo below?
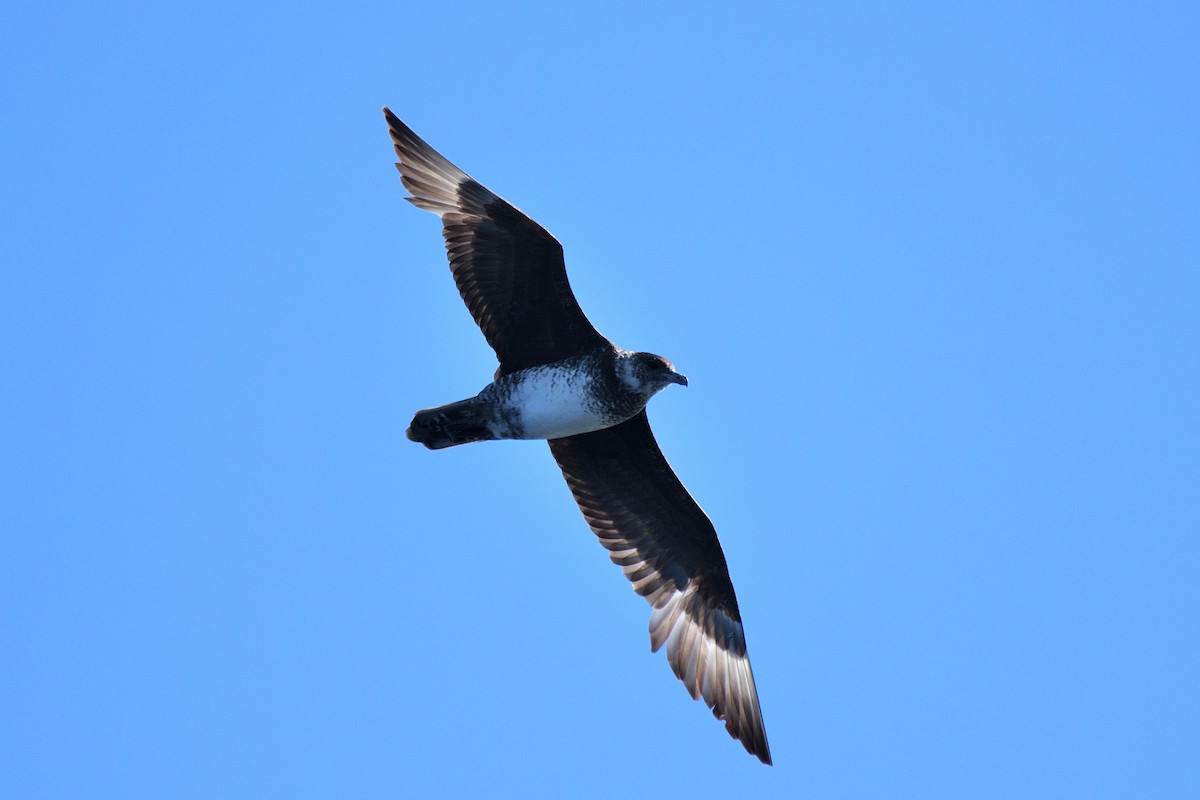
point(550, 401)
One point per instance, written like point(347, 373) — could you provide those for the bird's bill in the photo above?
point(678, 378)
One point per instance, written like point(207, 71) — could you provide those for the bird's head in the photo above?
point(647, 373)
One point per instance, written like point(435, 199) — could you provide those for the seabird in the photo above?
point(560, 380)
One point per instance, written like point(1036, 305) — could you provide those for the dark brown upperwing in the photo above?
point(508, 269)
point(666, 545)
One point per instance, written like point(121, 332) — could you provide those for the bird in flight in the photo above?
point(559, 379)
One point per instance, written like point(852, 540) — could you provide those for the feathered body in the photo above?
point(551, 401)
point(561, 380)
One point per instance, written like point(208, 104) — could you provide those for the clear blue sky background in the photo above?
point(934, 275)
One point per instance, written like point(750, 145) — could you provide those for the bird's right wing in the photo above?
point(668, 548)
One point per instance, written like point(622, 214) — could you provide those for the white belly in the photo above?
point(552, 402)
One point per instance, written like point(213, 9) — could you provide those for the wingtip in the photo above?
point(763, 751)
point(393, 122)
point(755, 742)
point(752, 737)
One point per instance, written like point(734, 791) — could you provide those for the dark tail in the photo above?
point(451, 424)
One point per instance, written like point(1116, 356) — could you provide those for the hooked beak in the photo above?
point(680, 379)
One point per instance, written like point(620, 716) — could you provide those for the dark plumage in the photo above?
point(508, 269)
point(560, 380)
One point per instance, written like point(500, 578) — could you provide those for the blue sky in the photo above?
point(932, 271)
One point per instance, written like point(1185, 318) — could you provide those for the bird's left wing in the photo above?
point(668, 549)
point(508, 269)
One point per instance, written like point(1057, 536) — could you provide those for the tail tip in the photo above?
point(424, 434)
